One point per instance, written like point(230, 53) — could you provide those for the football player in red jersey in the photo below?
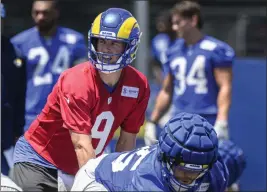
point(87, 105)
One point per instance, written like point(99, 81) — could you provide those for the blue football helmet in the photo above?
point(188, 145)
point(114, 24)
point(233, 158)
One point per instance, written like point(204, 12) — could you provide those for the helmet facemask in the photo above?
point(102, 61)
point(181, 176)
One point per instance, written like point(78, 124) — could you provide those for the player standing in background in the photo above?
point(12, 99)
point(185, 159)
point(48, 50)
point(165, 37)
point(159, 45)
point(87, 105)
point(199, 73)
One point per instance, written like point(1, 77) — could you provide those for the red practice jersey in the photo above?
point(80, 102)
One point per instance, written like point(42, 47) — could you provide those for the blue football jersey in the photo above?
point(139, 170)
point(159, 45)
point(46, 58)
point(195, 87)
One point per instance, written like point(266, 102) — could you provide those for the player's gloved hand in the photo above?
point(150, 136)
point(221, 128)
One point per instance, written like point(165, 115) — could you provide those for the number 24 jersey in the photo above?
point(46, 58)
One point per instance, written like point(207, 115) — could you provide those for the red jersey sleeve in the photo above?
point(74, 104)
point(136, 117)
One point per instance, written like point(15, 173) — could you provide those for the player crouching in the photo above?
point(185, 159)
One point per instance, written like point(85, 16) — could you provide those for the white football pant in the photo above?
point(8, 185)
point(85, 178)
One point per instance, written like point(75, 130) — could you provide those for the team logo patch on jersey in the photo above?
point(128, 91)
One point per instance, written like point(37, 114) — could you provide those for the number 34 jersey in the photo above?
point(192, 68)
point(81, 103)
point(46, 58)
point(140, 170)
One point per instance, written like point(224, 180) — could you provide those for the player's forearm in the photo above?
point(126, 142)
point(163, 102)
point(224, 102)
point(83, 147)
point(124, 146)
point(84, 154)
